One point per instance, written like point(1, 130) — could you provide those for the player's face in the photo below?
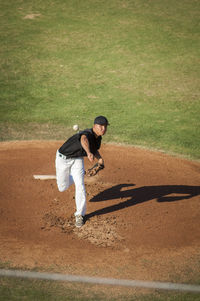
point(100, 129)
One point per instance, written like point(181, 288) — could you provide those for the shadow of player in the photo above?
point(134, 196)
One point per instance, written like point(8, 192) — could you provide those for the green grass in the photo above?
point(135, 61)
point(12, 289)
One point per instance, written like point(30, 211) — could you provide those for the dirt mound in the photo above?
point(143, 217)
point(98, 231)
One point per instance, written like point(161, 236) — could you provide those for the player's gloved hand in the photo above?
point(94, 170)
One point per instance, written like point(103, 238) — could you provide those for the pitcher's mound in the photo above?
point(143, 214)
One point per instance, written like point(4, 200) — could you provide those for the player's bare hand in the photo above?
point(90, 157)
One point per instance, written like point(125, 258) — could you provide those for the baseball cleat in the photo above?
point(79, 221)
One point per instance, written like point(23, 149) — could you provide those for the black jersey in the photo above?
point(72, 148)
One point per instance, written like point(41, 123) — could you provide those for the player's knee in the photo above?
point(62, 188)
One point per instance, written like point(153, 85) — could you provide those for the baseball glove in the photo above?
point(94, 170)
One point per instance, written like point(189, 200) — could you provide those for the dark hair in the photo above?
point(101, 120)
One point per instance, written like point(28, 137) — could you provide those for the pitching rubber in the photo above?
point(44, 177)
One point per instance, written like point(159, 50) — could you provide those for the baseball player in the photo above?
point(70, 163)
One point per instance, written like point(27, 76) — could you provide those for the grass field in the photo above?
point(137, 62)
point(31, 290)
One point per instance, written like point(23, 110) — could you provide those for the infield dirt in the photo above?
point(143, 215)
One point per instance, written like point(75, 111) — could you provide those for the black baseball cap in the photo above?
point(101, 120)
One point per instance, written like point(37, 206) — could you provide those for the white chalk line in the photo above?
point(105, 281)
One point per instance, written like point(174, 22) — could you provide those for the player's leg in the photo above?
point(78, 172)
point(63, 177)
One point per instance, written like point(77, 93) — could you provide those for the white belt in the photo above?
point(62, 156)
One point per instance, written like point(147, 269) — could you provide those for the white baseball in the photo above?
point(75, 127)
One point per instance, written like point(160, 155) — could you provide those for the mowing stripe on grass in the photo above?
point(105, 281)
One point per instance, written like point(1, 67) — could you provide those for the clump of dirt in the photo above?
point(32, 16)
point(98, 231)
point(51, 220)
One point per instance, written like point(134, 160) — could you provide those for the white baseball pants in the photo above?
point(68, 172)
